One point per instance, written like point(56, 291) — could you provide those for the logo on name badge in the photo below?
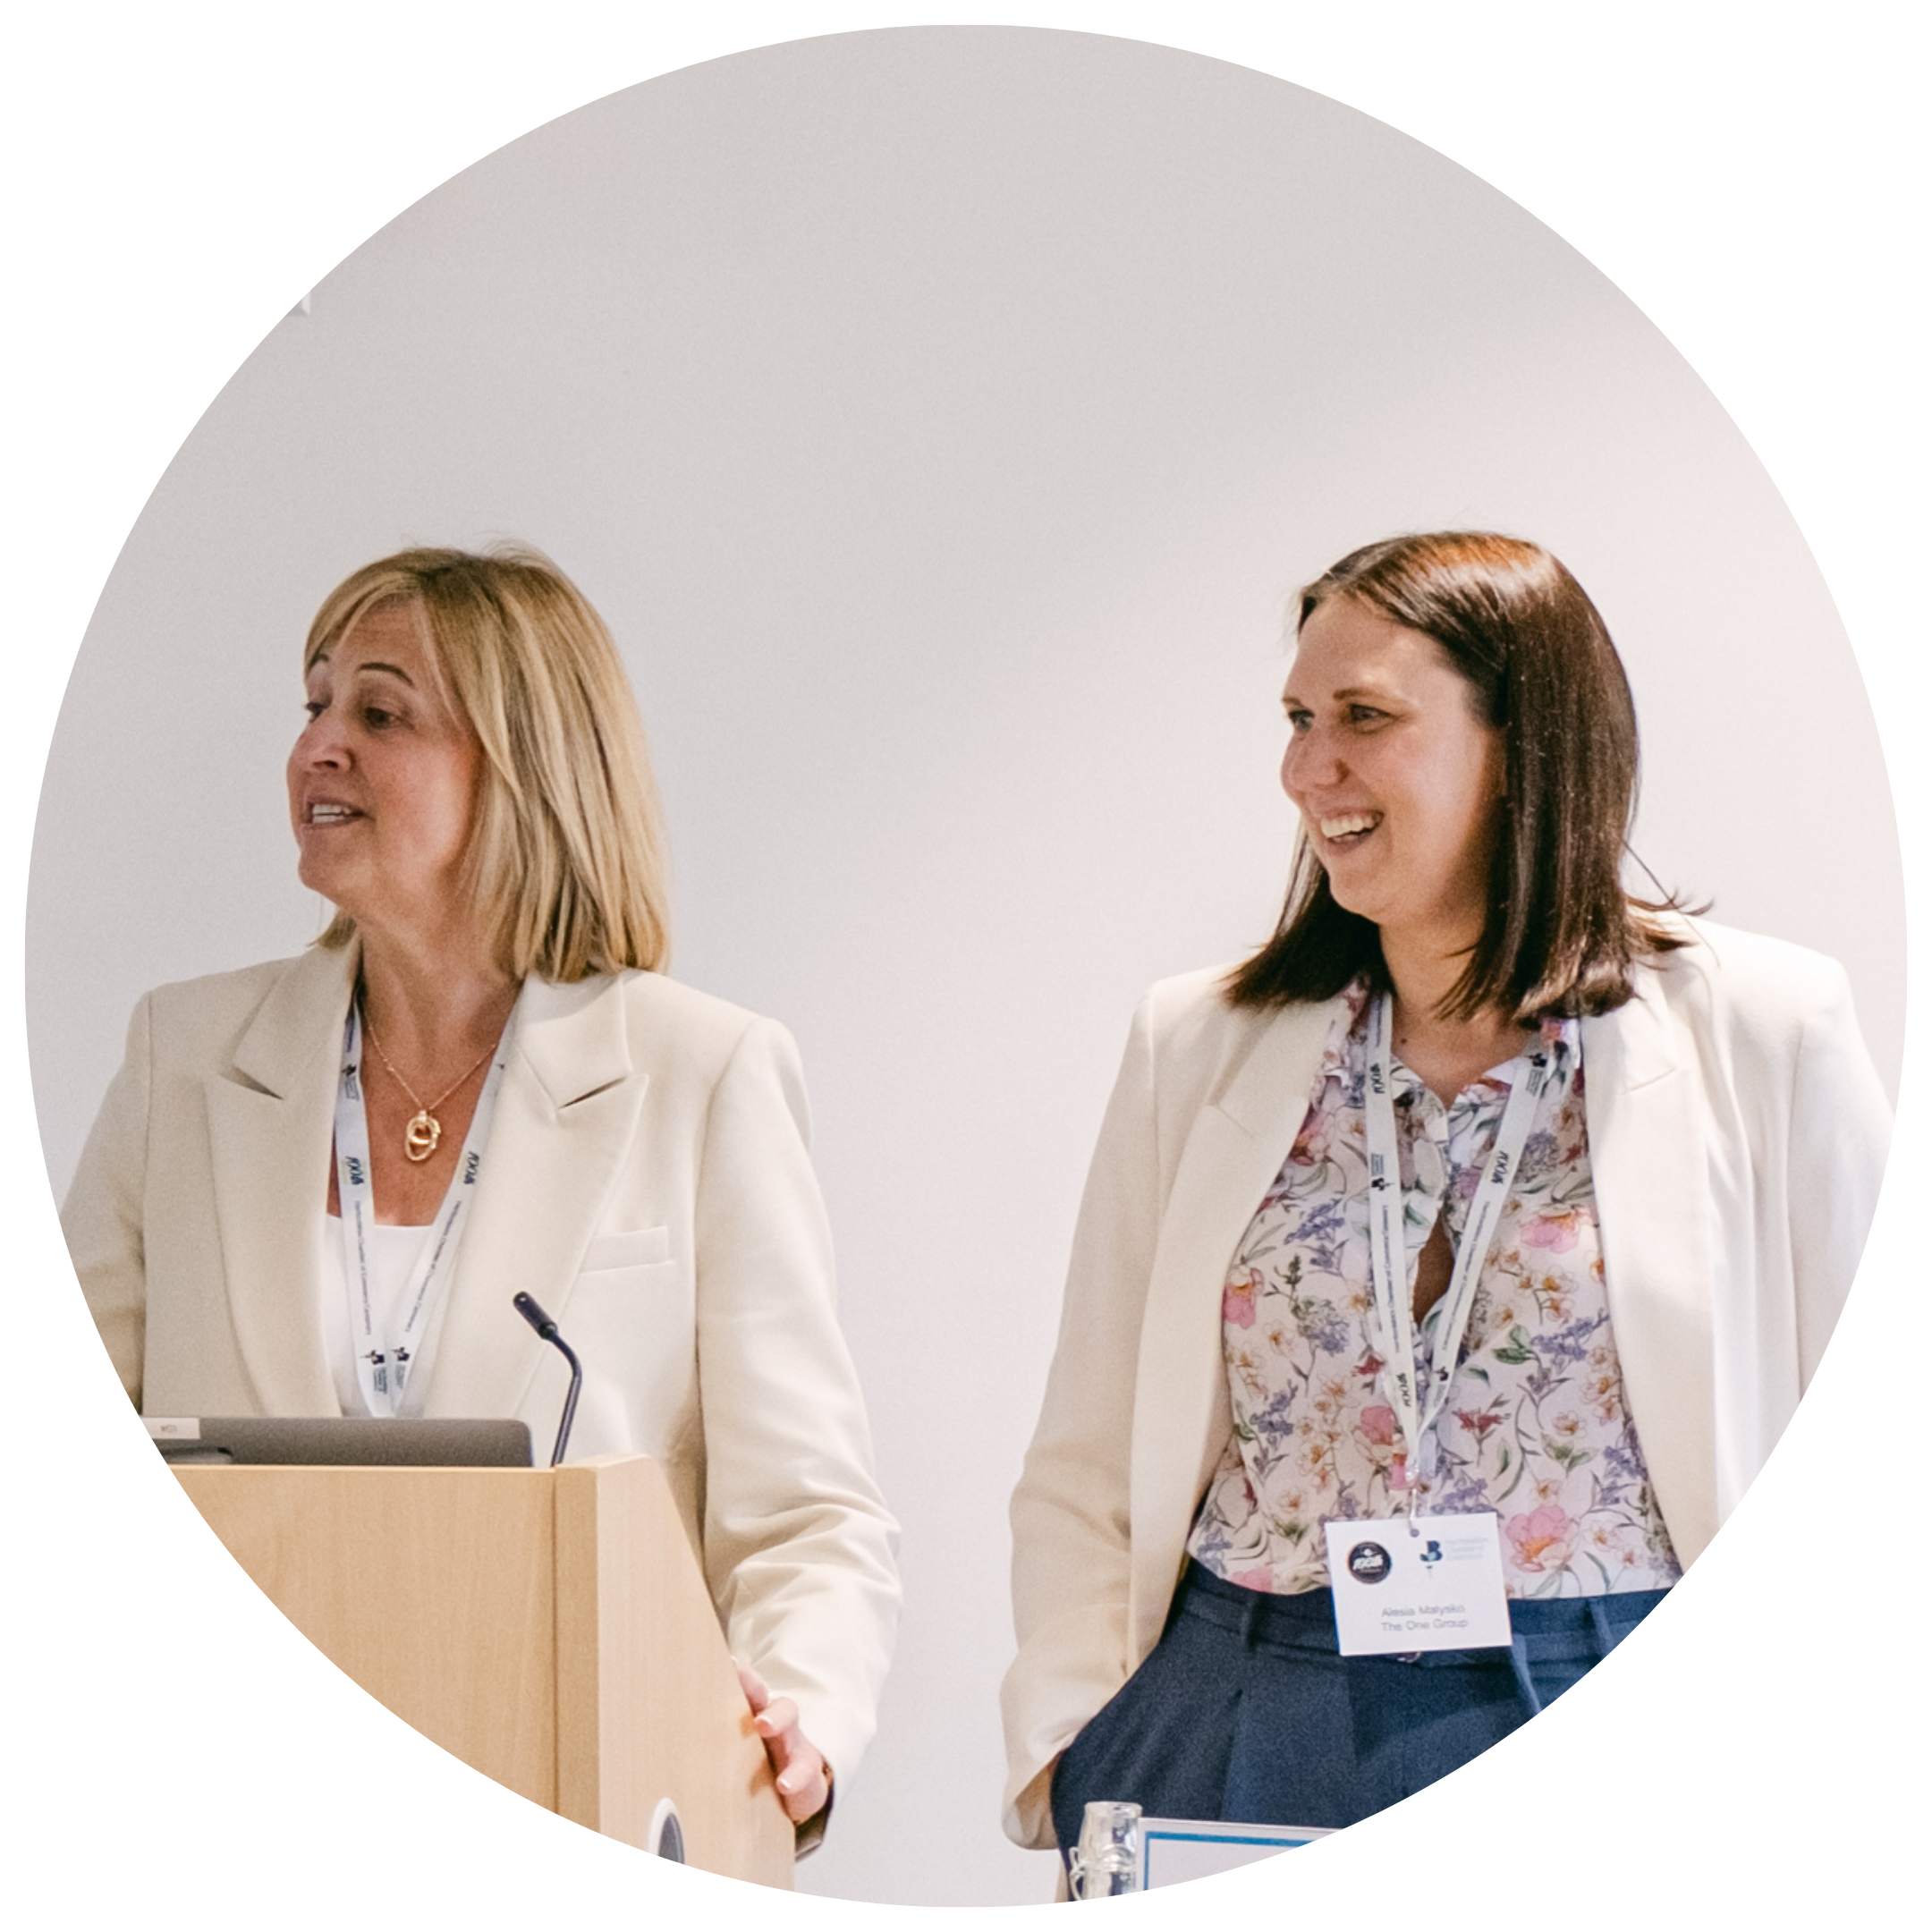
point(1368, 1563)
point(1433, 1553)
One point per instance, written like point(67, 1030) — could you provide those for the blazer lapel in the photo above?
point(566, 1115)
point(1650, 1167)
point(271, 1121)
point(1234, 1148)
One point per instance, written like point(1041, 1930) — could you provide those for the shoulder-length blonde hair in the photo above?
point(565, 859)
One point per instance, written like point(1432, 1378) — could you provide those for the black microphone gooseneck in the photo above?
point(547, 1329)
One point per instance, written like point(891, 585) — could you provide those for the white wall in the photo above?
point(942, 420)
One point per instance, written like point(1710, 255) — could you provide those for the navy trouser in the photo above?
point(1246, 1712)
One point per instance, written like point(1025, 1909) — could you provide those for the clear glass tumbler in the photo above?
point(1106, 1863)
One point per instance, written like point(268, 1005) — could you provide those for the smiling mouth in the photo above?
point(1347, 830)
point(330, 815)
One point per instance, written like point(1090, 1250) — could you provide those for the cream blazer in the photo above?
point(647, 1180)
point(1737, 1136)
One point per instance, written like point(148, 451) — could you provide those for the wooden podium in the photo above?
point(548, 1627)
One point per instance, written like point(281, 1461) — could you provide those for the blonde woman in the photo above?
point(482, 1055)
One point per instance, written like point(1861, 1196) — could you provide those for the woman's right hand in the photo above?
point(803, 1777)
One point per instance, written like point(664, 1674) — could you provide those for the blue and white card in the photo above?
point(1173, 1851)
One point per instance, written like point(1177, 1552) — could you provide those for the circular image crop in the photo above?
point(942, 422)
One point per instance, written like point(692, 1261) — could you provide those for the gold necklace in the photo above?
point(419, 1137)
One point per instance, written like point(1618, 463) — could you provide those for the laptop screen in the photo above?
point(338, 1441)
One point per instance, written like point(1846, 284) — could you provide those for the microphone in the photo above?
point(547, 1329)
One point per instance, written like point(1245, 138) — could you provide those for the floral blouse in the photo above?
point(1535, 1426)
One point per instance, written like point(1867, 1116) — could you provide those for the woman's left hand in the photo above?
point(804, 1779)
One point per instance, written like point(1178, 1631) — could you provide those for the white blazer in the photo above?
point(647, 1180)
point(1737, 1136)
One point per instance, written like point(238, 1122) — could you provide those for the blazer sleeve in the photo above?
point(101, 1217)
point(1841, 1130)
point(799, 1548)
point(1070, 1511)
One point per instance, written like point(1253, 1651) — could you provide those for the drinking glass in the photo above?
point(1106, 1863)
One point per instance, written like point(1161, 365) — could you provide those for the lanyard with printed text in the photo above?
point(383, 1361)
point(1416, 1411)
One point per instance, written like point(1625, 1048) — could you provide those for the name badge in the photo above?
point(1432, 1583)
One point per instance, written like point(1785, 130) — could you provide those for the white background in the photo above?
point(186, 1755)
point(942, 418)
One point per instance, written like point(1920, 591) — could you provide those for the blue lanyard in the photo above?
point(1417, 1411)
point(385, 1361)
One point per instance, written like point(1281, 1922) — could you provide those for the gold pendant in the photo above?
point(419, 1137)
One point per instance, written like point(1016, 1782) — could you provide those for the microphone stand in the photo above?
point(547, 1329)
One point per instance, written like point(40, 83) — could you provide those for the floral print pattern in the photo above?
point(1536, 1427)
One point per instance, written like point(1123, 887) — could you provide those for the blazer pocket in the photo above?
point(636, 1248)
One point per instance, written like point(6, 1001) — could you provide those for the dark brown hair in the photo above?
point(1562, 936)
